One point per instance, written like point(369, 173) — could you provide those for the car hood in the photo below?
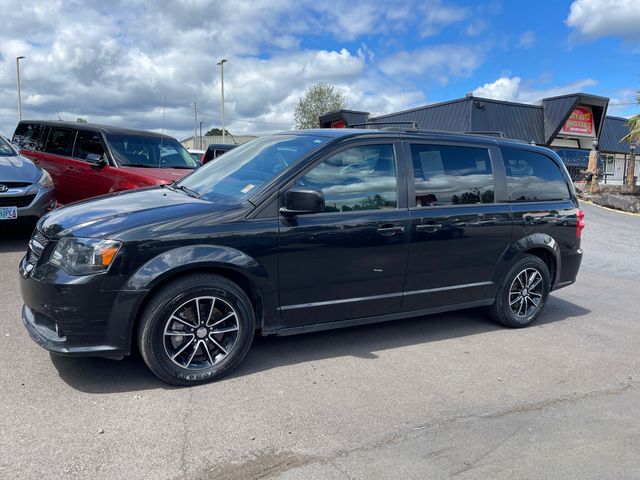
point(114, 216)
point(18, 169)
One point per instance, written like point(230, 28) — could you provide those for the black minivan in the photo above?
point(302, 231)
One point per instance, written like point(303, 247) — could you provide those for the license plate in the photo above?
point(8, 213)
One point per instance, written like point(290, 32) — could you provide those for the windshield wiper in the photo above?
point(186, 190)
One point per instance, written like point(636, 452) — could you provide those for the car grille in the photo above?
point(37, 244)
point(23, 201)
point(16, 184)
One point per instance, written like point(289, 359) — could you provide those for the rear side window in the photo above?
point(60, 141)
point(86, 143)
point(533, 177)
point(27, 136)
point(451, 175)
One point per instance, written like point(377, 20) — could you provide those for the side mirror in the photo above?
point(302, 201)
point(97, 160)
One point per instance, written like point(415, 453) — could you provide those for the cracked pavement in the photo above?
point(445, 396)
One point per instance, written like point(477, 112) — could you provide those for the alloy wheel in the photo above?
point(525, 293)
point(201, 333)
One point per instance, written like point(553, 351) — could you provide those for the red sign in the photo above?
point(580, 122)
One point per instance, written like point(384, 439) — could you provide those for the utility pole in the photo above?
point(18, 77)
point(195, 123)
point(221, 63)
point(201, 136)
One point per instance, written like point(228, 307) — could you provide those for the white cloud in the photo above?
point(601, 18)
point(526, 39)
point(504, 88)
point(515, 90)
point(436, 15)
point(117, 64)
point(439, 62)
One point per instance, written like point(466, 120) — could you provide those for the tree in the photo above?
point(317, 100)
point(216, 132)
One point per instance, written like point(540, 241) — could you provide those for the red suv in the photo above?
point(86, 160)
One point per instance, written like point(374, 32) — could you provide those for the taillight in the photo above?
point(580, 223)
point(202, 159)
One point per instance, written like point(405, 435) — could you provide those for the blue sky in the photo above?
point(116, 62)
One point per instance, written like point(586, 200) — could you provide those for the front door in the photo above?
point(458, 232)
point(88, 179)
point(349, 261)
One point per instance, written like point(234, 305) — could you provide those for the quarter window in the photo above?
point(451, 175)
point(60, 141)
point(27, 136)
point(358, 178)
point(86, 143)
point(532, 176)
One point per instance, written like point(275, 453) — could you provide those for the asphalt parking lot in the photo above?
point(450, 395)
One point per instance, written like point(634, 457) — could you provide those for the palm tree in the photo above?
point(632, 137)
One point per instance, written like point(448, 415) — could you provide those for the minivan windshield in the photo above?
point(242, 171)
point(5, 148)
point(134, 150)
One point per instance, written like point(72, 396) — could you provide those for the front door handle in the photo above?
point(389, 230)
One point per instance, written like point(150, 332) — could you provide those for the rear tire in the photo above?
point(523, 293)
point(196, 329)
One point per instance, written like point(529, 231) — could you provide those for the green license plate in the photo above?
point(8, 213)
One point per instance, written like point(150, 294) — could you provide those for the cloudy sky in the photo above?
point(116, 62)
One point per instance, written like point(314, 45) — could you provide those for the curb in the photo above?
point(610, 209)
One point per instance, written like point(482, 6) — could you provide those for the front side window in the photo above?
point(60, 141)
point(451, 175)
point(149, 151)
point(358, 178)
point(532, 177)
point(86, 143)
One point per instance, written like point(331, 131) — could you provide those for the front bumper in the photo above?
point(74, 315)
point(43, 201)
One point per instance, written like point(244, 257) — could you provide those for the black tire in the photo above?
point(198, 312)
point(512, 308)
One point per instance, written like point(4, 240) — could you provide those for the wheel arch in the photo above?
point(540, 245)
point(174, 264)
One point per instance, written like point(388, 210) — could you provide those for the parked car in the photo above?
point(86, 160)
point(196, 154)
point(26, 190)
point(214, 150)
point(298, 232)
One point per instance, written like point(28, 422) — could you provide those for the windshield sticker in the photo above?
point(248, 188)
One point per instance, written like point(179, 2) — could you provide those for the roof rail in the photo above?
point(489, 133)
point(413, 125)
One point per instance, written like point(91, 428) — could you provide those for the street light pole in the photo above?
point(221, 63)
point(18, 77)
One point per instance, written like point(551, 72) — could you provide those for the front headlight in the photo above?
point(84, 256)
point(45, 179)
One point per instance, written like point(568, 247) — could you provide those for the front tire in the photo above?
point(196, 329)
point(523, 293)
